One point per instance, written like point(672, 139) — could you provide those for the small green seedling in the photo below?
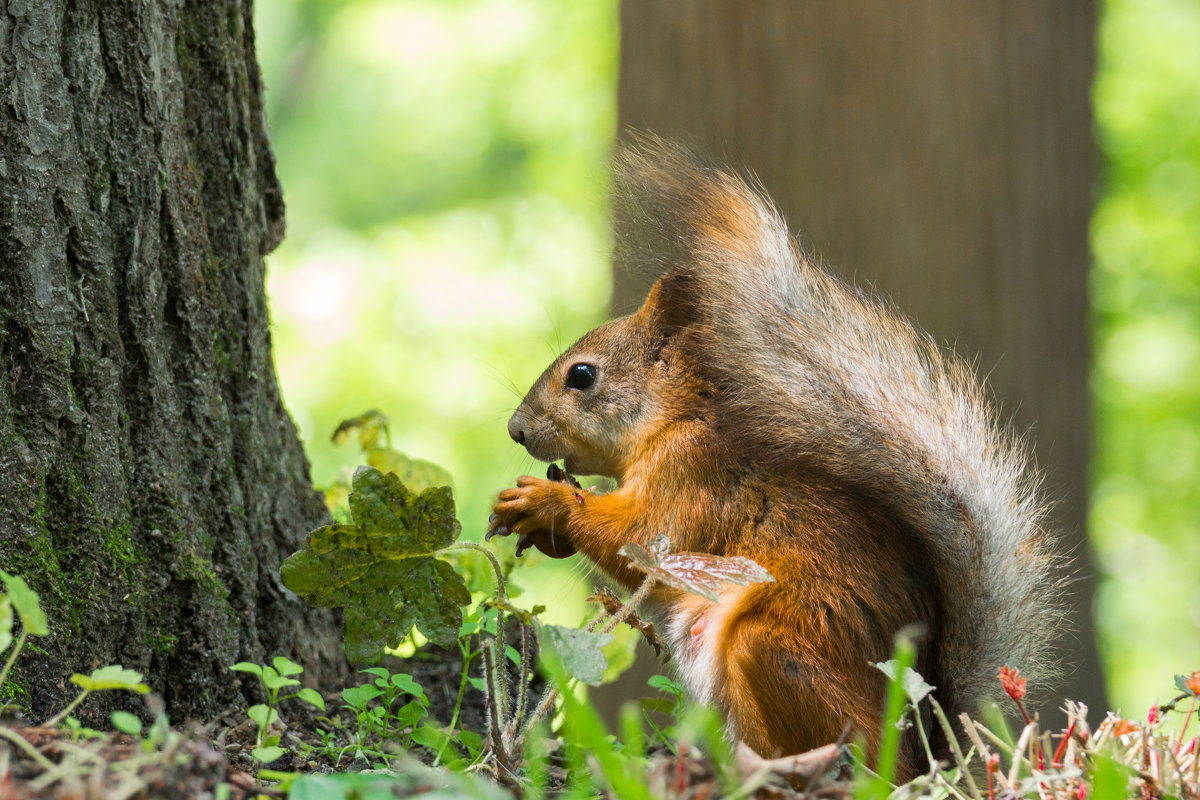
point(273, 680)
point(105, 678)
point(19, 597)
point(374, 704)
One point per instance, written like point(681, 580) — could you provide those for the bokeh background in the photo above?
point(444, 168)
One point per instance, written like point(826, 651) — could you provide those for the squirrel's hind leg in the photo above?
point(780, 696)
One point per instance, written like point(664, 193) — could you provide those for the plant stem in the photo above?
point(29, 749)
point(634, 600)
point(12, 658)
point(525, 670)
point(1186, 720)
point(500, 590)
point(922, 735)
point(548, 698)
point(468, 656)
point(954, 748)
point(57, 718)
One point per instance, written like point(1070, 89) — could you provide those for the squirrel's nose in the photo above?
point(515, 430)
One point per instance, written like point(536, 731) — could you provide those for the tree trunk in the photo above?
point(941, 152)
point(150, 479)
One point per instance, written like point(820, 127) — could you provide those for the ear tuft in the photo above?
point(671, 303)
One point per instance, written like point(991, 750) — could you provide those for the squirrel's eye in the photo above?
point(581, 376)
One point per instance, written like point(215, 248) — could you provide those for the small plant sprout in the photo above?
point(274, 679)
point(104, 678)
point(19, 597)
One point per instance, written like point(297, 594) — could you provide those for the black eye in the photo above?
point(581, 376)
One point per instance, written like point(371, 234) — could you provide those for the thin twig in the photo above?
point(954, 748)
point(1019, 753)
point(635, 599)
point(29, 750)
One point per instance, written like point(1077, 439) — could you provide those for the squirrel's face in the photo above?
point(590, 407)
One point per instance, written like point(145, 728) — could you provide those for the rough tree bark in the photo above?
point(150, 478)
point(941, 152)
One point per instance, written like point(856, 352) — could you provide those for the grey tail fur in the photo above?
point(811, 369)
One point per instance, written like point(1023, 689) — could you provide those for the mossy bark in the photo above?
point(151, 480)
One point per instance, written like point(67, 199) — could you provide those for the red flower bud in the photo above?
point(1013, 683)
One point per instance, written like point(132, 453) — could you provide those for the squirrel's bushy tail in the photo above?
point(812, 371)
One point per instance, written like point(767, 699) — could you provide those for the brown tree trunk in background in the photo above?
point(941, 152)
point(150, 478)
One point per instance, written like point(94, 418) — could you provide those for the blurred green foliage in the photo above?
point(1145, 517)
point(444, 167)
point(443, 164)
point(444, 161)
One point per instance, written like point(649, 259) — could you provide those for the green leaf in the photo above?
point(1181, 682)
point(127, 723)
point(312, 697)
point(406, 684)
point(286, 667)
point(265, 755)
point(414, 473)
point(368, 427)
point(246, 666)
point(665, 684)
point(660, 704)
point(6, 623)
point(262, 715)
point(273, 680)
point(620, 653)
point(381, 567)
point(915, 687)
point(697, 573)
point(25, 601)
point(111, 677)
point(410, 714)
point(578, 651)
point(472, 741)
point(378, 672)
point(359, 696)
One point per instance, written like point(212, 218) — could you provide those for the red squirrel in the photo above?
point(757, 406)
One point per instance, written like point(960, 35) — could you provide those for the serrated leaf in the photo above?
point(286, 666)
point(696, 573)
point(265, 755)
point(312, 697)
point(6, 623)
point(381, 569)
point(127, 723)
point(416, 474)
point(579, 651)
point(111, 677)
point(25, 601)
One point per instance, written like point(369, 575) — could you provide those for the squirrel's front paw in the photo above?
point(539, 510)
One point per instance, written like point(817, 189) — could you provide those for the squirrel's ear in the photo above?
point(670, 303)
